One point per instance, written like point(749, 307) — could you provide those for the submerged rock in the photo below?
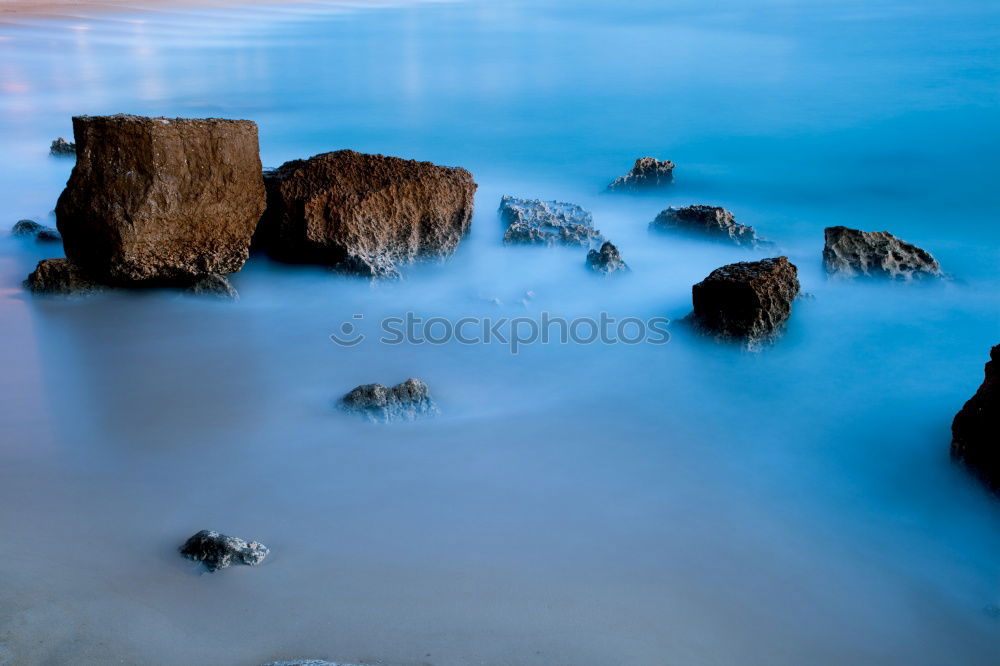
point(402, 402)
point(647, 173)
point(62, 277)
point(40, 232)
point(217, 286)
point(607, 260)
point(218, 551)
point(851, 253)
point(62, 147)
point(975, 432)
point(706, 221)
point(364, 214)
point(158, 199)
point(536, 222)
point(747, 301)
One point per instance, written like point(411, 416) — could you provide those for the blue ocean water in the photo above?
point(686, 503)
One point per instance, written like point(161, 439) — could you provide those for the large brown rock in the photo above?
point(364, 213)
point(748, 302)
point(161, 200)
point(854, 253)
point(975, 432)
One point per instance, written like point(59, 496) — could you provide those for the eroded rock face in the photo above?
point(607, 260)
point(218, 551)
point(61, 277)
point(402, 402)
point(161, 200)
point(648, 173)
point(32, 229)
point(851, 253)
point(710, 222)
point(62, 147)
point(364, 214)
point(536, 222)
point(747, 302)
point(975, 431)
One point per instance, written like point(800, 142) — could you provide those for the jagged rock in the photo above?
point(531, 221)
point(975, 432)
point(851, 253)
point(62, 277)
point(607, 260)
point(379, 403)
point(217, 286)
point(158, 199)
point(218, 551)
point(62, 147)
point(747, 301)
point(40, 232)
point(364, 214)
point(647, 173)
point(706, 221)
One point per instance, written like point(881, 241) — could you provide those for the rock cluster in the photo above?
point(364, 214)
point(32, 229)
point(748, 302)
point(607, 260)
point(975, 431)
point(850, 253)
point(708, 221)
point(62, 147)
point(536, 222)
point(647, 173)
point(218, 551)
point(381, 404)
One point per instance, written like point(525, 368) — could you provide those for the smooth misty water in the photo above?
point(573, 505)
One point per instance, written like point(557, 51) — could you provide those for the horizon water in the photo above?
point(685, 503)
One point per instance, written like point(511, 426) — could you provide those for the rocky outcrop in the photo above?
point(32, 229)
point(975, 432)
point(851, 253)
point(62, 147)
point(607, 260)
point(536, 222)
point(218, 551)
point(402, 402)
point(748, 302)
point(158, 200)
point(364, 214)
point(648, 173)
point(61, 277)
point(710, 222)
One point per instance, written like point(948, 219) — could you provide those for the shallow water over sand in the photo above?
point(685, 503)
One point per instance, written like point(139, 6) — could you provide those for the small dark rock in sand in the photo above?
point(975, 432)
point(380, 403)
point(218, 551)
point(62, 147)
point(647, 173)
point(748, 301)
point(61, 277)
point(607, 260)
point(536, 222)
point(216, 286)
point(161, 199)
point(41, 233)
point(364, 214)
point(710, 222)
point(851, 253)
